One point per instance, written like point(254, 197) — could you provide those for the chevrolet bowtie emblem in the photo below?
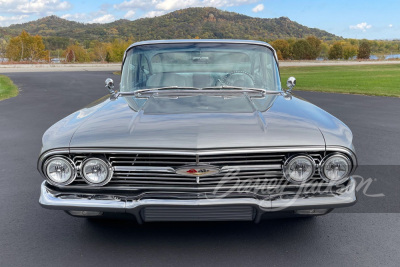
point(198, 171)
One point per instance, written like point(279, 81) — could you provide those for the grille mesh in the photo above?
point(159, 170)
point(213, 213)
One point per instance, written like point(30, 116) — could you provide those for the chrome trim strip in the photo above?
point(69, 201)
point(191, 152)
point(143, 169)
point(251, 167)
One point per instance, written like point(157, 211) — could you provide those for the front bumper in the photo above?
point(52, 199)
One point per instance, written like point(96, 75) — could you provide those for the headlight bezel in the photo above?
point(108, 167)
point(69, 161)
point(342, 180)
point(285, 168)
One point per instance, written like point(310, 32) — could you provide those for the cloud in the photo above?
point(168, 5)
point(103, 19)
point(133, 4)
point(33, 6)
point(6, 21)
point(130, 14)
point(390, 25)
point(152, 14)
point(99, 16)
point(258, 8)
point(363, 26)
point(76, 16)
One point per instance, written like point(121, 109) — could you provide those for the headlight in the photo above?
point(335, 168)
point(60, 170)
point(298, 169)
point(96, 171)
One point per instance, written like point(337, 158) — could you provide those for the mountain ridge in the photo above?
point(205, 23)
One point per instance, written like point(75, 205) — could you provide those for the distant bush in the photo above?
point(336, 51)
point(302, 50)
point(364, 50)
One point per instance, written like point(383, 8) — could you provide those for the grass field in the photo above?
point(381, 80)
point(7, 88)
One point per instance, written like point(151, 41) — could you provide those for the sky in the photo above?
point(347, 18)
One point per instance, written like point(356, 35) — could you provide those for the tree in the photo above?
point(76, 53)
point(100, 51)
point(302, 50)
point(336, 51)
point(37, 49)
point(118, 48)
point(283, 47)
point(349, 51)
point(279, 55)
point(26, 47)
point(324, 50)
point(315, 44)
point(3, 47)
point(364, 50)
point(108, 57)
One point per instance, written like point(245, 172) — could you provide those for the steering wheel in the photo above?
point(236, 78)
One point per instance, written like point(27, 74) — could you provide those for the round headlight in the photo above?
point(335, 168)
point(96, 171)
point(60, 170)
point(298, 169)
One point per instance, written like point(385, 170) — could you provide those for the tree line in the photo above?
point(312, 48)
point(29, 48)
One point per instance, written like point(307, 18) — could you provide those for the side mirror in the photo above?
point(291, 82)
point(110, 85)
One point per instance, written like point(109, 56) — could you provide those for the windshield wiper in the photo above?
point(140, 91)
point(245, 89)
point(178, 90)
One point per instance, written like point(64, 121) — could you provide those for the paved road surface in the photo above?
point(366, 234)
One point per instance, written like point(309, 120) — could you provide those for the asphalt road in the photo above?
point(366, 234)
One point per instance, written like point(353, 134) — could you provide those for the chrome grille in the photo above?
point(212, 213)
point(156, 171)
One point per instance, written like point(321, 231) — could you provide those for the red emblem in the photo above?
point(192, 171)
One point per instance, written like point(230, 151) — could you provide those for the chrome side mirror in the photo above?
point(291, 82)
point(110, 85)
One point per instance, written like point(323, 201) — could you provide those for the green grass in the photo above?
point(7, 88)
point(380, 80)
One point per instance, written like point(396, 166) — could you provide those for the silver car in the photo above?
point(199, 130)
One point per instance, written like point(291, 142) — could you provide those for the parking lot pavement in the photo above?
point(365, 234)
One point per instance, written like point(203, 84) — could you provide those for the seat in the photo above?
point(166, 79)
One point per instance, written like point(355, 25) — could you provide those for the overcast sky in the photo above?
point(347, 18)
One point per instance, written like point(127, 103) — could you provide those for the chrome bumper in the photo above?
point(52, 199)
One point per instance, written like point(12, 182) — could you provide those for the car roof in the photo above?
point(174, 41)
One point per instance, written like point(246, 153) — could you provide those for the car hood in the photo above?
point(199, 122)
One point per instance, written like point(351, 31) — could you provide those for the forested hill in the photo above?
point(186, 23)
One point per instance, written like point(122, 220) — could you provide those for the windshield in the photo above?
point(199, 65)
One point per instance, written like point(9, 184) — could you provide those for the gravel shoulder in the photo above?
point(10, 68)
